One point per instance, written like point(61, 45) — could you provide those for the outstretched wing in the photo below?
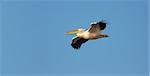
point(97, 27)
point(77, 42)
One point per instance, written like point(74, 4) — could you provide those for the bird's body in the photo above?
point(94, 32)
point(88, 35)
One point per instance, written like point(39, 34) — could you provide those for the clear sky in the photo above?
point(34, 40)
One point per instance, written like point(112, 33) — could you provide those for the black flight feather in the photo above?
point(77, 42)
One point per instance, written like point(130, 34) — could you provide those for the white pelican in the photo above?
point(82, 36)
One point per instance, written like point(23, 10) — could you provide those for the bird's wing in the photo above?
point(94, 28)
point(97, 27)
point(77, 42)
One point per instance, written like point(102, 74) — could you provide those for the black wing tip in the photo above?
point(77, 42)
point(75, 46)
point(102, 22)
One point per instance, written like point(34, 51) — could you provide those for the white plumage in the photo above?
point(94, 32)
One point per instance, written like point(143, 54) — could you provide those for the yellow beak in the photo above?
point(73, 32)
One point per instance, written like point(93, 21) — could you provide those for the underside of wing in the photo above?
point(97, 27)
point(94, 28)
point(77, 42)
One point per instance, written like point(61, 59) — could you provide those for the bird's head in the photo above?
point(80, 30)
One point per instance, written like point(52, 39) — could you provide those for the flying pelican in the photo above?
point(82, 36)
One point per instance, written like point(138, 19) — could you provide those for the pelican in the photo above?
point(93, 33)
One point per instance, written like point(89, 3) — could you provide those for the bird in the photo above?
point(94, 32)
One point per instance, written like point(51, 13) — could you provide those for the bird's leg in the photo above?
point(103, 35)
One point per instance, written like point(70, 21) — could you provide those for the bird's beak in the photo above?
point(73, 32)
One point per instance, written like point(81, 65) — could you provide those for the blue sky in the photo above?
point(34, 39)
